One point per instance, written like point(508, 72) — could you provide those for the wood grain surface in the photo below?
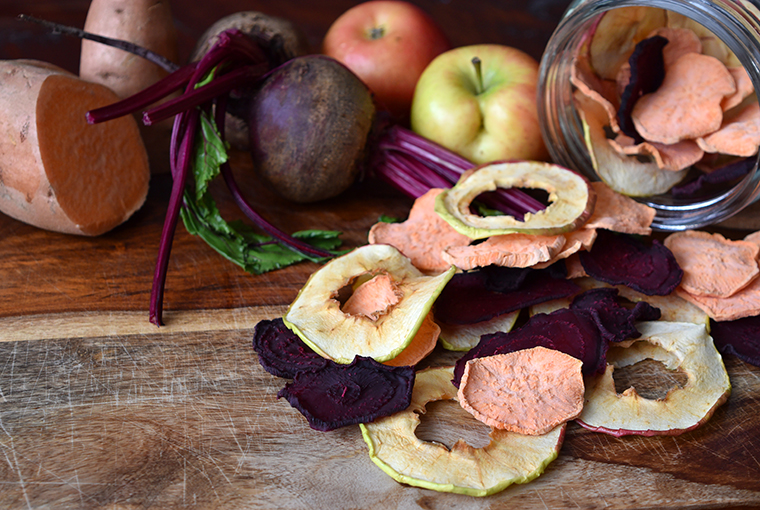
point(100, 409)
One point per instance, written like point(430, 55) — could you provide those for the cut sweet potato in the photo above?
point(530, 391)
point(60, 173)
point(509, 250)
point(617, 212)
point(713, 265)
point(738, 137)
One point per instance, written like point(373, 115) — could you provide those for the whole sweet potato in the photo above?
point(57, 172)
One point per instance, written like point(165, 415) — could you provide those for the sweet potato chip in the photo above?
point(529, 391)
point(617, 212)
point(744, 303)
point(711, 44)
point(688, 103)
point(673, 157)
point(744, 88)
point(510, 250)
point(713, 265)
point(738, 137)
point(373, 298)
point(753, 238)
point(575, 241)
point(421, 345)
point(422, 237)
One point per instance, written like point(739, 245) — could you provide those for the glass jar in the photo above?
point(735, 22)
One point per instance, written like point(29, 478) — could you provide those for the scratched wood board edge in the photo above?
point(125, 323)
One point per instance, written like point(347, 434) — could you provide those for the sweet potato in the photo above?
point(147, 23)
point(56, 171)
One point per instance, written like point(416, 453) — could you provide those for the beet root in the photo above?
point(309, 124)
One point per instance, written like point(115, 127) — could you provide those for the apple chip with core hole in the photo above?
point(571, 200)
point(381, 331)
point(530, 391)
point(509, 457)
point(681, 347)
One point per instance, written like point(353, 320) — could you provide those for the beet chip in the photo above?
point(570, 331)
point(707, 182)
point(338, 395)
point(472, 297)
point(621, 259)
point(616, 323)
point(281, 352)
point(647, 74)
point(740, 337)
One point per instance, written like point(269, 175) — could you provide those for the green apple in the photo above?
point(480, 101)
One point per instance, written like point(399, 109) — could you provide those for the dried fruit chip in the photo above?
point(713, 265)
point(619, 213)
point(602, 92)
point(575, 241)
point(711, 44)
point(422, 237)
point(466, 300)
point(570, 331)
point(708, 182)
point(530, 391)
point(647, 71)
point(738, 137)
point(740, 337)
point(463, 337)
point(281, 352)
point(744, 88)
point(571, 199)
point(687, 104)
point(744, 303)
point(373, 298)
point(621, 173)
point(316, 315)
point(616, 35)
point(689, 349)
point(673, 157)
point(338, 395)
point(508, 459)
point(509, 250)
point(421, 345)
point(622, 259)
point(616, 322)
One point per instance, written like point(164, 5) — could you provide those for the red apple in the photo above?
point(386, 43)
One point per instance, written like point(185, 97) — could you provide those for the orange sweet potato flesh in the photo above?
point(529, 391)
point(60, 173)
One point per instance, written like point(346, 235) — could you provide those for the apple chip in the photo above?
point(713, 265)
point(594, 88)
point(463, 337)
point(682, 346)
point(738, 137)
point(571, 200)
point(688, 103)
point(623, 174)
point(508, 459)
point(530, 391)
point(422, 237)
point(508, 250)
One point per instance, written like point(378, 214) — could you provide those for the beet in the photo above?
point(570, 331)
point(615, 322)
point(623, 259)
point(470, 297)
point(740, 337)
point(339, 395)
point(281, 352)
point(309, 124)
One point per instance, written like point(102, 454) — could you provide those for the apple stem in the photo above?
point(478, 73)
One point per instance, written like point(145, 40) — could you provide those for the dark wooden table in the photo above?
point(99, 409)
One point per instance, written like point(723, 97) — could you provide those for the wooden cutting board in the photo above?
point(100, 409)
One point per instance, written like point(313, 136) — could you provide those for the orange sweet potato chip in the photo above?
point(688, 103)
point(574, 267)
point(422, 237)
point(373, 298)
point(674, 157)
point(713, 265)
point(738, 137)
point(575, 241)
point(744, 88)
point(509, 250)
point(744, 303)
point(530, 391)
point(617, 212)
point(421, 345)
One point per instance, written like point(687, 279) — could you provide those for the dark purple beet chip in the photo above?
point(623, 259)
point(337, 395)
point(281, 352)
point(467, 300)
point(707, 182)
point(647, 73)
point(509, 279)
point(570, 331)
point(740, 337)
point(615, 321)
